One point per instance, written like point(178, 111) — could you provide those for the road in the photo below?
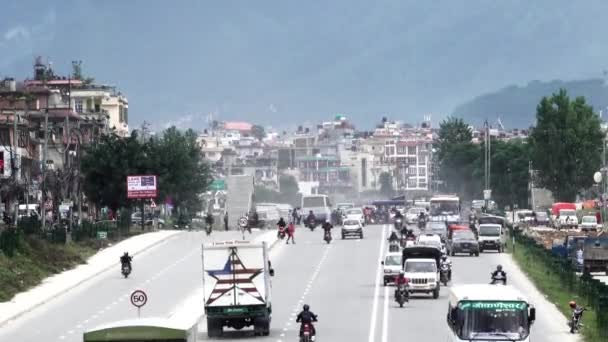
point(339, 281)
point(167, 273)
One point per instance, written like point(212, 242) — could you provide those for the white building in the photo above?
point(410, 160)
point(92, 101)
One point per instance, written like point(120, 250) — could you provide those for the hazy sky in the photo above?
point(289, 61)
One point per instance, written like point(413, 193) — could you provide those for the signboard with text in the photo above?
point(142, 186)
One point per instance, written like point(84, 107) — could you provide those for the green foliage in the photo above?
point(452, 131)
point(175, 157)
point(509, 173)
point(566, 145)
point(386, 184)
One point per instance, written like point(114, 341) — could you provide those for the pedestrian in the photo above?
point(226, 220)
point(598, 217)
point(291, 229)
point(294, 215)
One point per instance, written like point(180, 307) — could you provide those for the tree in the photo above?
point(386, 184)
point(566, 145)
point(509, 174)
point(258, 132)
point(183, 174)
point(452, 131)
point(107, 164)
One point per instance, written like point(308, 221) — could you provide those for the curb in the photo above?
point(45, 301)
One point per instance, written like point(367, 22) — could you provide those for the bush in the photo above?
point(9, 242)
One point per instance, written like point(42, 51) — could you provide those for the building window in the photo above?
point(400, 149)
point(97, 105)
point(411, 183)
point(411, 150)
point(411, 171)
point(23, 138)
point(125, 115)
point(89, 107)
point(422, 171)
point(422, 185)
point(5, 137)
point(78, 106)
point(120, 117)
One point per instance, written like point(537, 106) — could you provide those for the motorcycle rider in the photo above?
point(310, 219)
point(307, 317)
point(393, 237)
point(327, 227)
point(448, 262)
point(401, 280)
point(126, 259)
point(281, 224)
point(499, 272)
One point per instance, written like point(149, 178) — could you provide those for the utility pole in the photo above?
point(14, 162)
point(44, 156)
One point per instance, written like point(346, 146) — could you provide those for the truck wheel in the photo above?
point(261, 326)
point(214, 327)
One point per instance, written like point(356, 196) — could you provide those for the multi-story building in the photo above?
point(327, 170)
point(102, 102)
point(410, 161)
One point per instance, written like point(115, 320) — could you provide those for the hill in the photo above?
point(516, 106)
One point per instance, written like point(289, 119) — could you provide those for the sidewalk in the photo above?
point(57, 285)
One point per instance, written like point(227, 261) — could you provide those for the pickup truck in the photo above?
point(421, 266)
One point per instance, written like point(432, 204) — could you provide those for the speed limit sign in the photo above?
point(139, 298)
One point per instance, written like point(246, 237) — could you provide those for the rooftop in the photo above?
point(486, 292)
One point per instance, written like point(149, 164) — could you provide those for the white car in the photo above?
point(589, 222)
point(411, 216)
point(392, 267)
point(355, 214)
point(432, 240)
point(352, 227)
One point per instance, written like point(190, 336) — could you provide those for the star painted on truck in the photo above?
point(234, 275)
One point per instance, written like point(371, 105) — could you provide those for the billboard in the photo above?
point(142, 186)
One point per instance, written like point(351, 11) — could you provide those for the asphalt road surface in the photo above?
point(340, 281)
point(168, 273)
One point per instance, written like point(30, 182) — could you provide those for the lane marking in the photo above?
point(374, 316)
point(385, 316)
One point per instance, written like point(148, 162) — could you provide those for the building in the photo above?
point(327, 170)
point(102, 102)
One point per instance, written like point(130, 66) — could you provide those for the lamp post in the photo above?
point(597, 178)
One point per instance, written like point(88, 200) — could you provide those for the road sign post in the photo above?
point(139, 299)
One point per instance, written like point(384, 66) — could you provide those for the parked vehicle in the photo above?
point(589, 223)
point(541, 218)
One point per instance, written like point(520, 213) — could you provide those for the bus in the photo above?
point(483, 312)
point(319, 205)
point(445, 208)
point(143, 330)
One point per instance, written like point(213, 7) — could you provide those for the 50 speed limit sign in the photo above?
point(139, 298)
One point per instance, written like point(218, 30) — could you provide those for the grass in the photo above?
point(548, 282)
point(37, 259)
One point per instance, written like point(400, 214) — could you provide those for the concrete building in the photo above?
point(410, 161)
point(102, 102)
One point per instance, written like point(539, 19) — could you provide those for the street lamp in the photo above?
point(597, 178)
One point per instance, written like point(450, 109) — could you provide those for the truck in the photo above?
point(319, 205)
point(421, 267)
point(563, 215)
point(237, 286)
point(595, 255)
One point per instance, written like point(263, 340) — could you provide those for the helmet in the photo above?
point(443, 257)
point(499, 267)
point(126, 253)
point(306, 307)
point(572, 304)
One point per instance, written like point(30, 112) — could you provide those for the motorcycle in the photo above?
point(311, 223)
point(394, 246)
point(575, 320)
point(126, 269)
point(401, 295)
point(499, 279)
point(398, 224)
point(443, 274)
point(421, 223)
point(307, 334)
point(281, 233)
point(327, 237)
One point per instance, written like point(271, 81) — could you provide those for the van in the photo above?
point(490, 236)
point(319, 205)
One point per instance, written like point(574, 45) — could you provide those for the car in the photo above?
point(391, 266)
point(411, 216)
point(355, 213)
point(589, 222)
point(438, 228)
point(491, 236)
point(352, 227)
point(541, 218)
point(432, 240)
point(344, 206)
point(462, 241)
